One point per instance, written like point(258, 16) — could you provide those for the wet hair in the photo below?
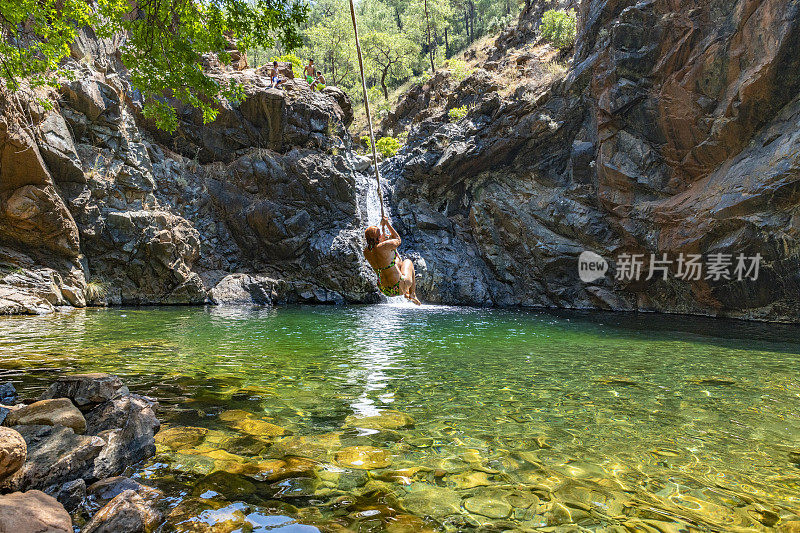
point(373, 236)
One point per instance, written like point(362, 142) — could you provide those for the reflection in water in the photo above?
point(377, 344)
point(488, 419)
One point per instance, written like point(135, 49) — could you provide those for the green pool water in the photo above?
point(471, 420)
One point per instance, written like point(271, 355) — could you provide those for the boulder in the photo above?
point(70, 494)
point(55, 412)
point(128, 512)
point(128, 425)
point(33, 512)
point(99, 494)
point(87, 389)
point(56, 455)
point(13, 451)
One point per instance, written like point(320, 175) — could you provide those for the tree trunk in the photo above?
point(446, 44)
point(383, 83)
point(430, 48)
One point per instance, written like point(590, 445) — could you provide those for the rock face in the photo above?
point(98, 206)
point(673, 131)
point(33, 512)
point(654, 142)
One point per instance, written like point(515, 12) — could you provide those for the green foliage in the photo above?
point(457, 113)
point(297, 63)
point(400, 38)
point(559, 27)
point(459, 69)
point(165, 41)
point(387, 146)
point(35, 36)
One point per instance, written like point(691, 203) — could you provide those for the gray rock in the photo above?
point(71, 494)
point(87, 389)
point(128, 425)
point(8, 394)
point(127, 512)
point(58, 149)
point(105, 490)
point(33, 512)
point(56, 455)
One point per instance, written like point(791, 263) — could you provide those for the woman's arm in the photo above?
point(394, 237)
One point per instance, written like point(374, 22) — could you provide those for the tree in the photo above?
point(389, 57)
point(426, 21)
point(164, 43)
point(331, 43)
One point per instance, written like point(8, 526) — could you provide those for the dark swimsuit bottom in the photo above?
point(394, 290)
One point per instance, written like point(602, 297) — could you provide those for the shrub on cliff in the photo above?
point(387, 146)
point(559, 27)
point(459, 69)
point(457, 113)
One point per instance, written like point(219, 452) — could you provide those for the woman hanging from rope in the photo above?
point(395, 276)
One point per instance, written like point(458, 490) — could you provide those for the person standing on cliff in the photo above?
point(309, 72)
point(396, 277)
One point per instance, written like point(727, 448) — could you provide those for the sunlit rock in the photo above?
point(363, 457)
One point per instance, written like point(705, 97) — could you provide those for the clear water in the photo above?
point(521, 420)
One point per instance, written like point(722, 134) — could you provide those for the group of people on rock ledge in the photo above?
point(313, 76)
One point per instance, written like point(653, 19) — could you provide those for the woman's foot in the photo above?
point(412, 298)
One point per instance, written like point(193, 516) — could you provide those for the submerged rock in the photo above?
point(177, 438)
point(259, 428)
point(387, 419)
point(489, 504)
point(56, 412)
point(363, 457)
point(33, 512)
point(288, 467)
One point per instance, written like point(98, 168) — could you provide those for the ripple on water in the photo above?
point(403, 418)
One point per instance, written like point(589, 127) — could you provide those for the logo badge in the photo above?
point(591, 267)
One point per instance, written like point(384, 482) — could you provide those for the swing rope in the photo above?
point(366, 106)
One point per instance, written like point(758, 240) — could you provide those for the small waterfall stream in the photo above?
point(369, 203)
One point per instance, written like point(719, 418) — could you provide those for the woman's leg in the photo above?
point(410, 281)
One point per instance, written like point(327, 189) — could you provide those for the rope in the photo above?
point(366, 106)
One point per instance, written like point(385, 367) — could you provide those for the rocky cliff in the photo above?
point(674, 130)
point(669, 138)
point(99, 206)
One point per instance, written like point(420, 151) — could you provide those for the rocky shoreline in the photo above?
point(63, 456)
